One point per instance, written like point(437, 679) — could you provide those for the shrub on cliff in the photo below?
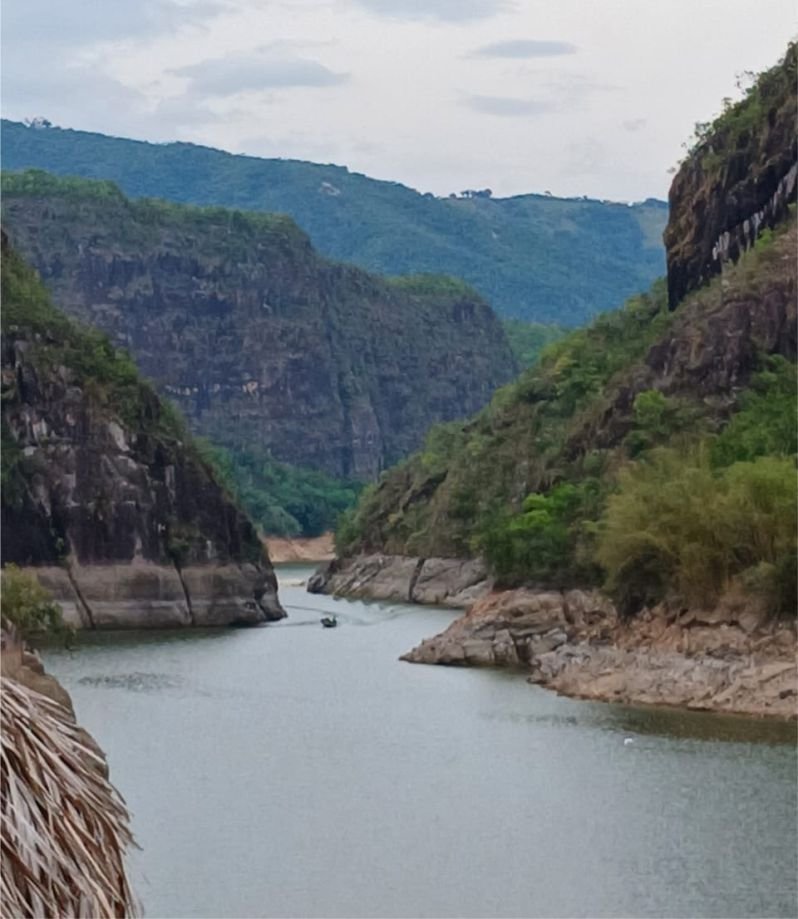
point(768, 420)
point(549, 541)
point(27, 605)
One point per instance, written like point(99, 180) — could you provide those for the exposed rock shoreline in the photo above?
point(575, 643)
point(146, 595)
point(403, 579)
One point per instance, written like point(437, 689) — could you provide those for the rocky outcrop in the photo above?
point(575, 643)
point(446, 581)
point(104, 494)
point(740, 180)
point(258, 340)
point(714, 345)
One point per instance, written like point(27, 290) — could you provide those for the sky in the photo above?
point(575, 97)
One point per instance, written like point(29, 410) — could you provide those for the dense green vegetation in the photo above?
point(28, 606)
point(712, 515)
point(149, 211)
point(678, 526)
point(577, 474)
point(282, 500)
point(448, 496)
point(528, 339)
point(537, 257)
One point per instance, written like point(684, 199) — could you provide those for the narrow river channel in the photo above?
point(293, 770)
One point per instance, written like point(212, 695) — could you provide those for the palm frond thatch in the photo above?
point(63, 826)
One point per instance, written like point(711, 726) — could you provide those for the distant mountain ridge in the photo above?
point(534, 256)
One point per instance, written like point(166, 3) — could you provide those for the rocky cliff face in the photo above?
point(258, 340)
point(103, 490)
point(714, 345)
point(739, 181)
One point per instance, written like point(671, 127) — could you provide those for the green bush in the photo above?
point(27, 605)
point(677, 526)
point(546, 542)
point(528, 339)
point(767, 423)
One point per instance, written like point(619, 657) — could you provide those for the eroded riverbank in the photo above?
point(575, 643)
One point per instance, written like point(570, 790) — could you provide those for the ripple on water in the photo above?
point(133, 682)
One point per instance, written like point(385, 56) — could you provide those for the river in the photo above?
point(292, 770)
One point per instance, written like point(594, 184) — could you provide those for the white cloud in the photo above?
point(265, 68)
point(447, 10)
point(438, 94)
point(508, 106)
point(524, 48)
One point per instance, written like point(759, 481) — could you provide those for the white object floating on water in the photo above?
point(627, 741)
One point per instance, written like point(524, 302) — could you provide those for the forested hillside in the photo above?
point(653, 451)
point(535, 256)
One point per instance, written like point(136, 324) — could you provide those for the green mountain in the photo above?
point(265, 346)
point(535, 257)
point(653, 451)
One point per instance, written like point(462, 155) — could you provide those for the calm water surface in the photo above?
point(292, 770)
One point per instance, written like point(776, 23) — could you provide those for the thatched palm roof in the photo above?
point(64, 827)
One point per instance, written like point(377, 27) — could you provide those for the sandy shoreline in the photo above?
point(302, 549)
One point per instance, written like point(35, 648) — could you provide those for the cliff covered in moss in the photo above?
point(259, 341)
point(103, 492)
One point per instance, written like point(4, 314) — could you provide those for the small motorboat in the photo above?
point(329, 622)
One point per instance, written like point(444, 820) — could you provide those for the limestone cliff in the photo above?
point(738, 181)
point(102, 489)
point(258, 340)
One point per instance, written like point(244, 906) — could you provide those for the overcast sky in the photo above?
point(576, 97)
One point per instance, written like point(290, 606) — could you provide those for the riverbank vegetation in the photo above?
point(282, 500)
